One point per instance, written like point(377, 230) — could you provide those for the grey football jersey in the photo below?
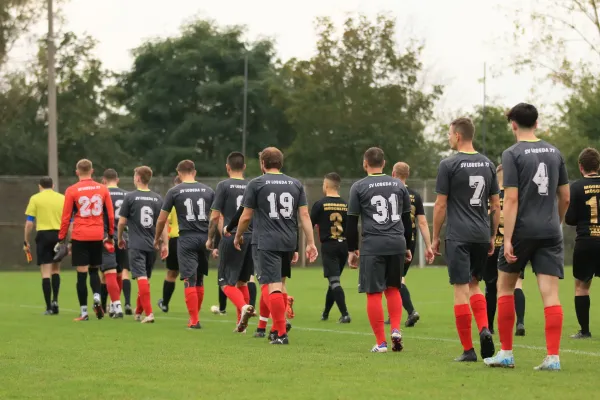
point(141, 208)
point(228, 198)
point(116, 195)
point(275, 199)
point(537, 169)
point(380, 201)
point(192, 201)
point(469, 180)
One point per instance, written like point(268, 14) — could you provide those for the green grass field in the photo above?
point(56, 358)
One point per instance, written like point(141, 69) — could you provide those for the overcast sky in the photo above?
point(459, 35)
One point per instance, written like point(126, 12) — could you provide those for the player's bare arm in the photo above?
point(242, 227)
point(28, 230)
point(511, 205)
point(160, 226)
point(564, 199)
point(495, 217)
point(120, 230)
point(424, 229)
point(439, 216)
point(307, 227)
point(164, 244)
point(213, 227)
point(110, 210)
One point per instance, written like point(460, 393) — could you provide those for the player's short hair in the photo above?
point(176, 180)
point(499, 168)
point(84, 166)
point(374, 157)
point(46, 182)
point(145, 174)
point(272, 157)
point(110, 175)
point(236, 161)
point(589, 159)
point(464, 126)
point(334, 178)
point(402, 169)
point(186, 167)
point(523, 114)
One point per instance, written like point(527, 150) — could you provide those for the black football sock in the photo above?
point(340, 299)
point(82, 292)
point(103, 295)
point(329, 301)
point(252, 291)
point(95, 283)
point(55, 286)
point(491, 293)
point(520, 306)
point(582, 309)
point(168, 289)
point(406, 300)
point(127, 291)
point(47, 291)
point(222, 300)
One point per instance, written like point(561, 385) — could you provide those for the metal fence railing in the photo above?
point(16, 192)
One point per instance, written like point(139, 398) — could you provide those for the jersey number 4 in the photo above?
point(90, 207)
point(189, 207)
point(541, 179)
point(382, 207)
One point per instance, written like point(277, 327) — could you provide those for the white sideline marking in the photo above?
point(295, 327)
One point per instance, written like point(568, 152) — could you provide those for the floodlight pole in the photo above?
point(52, 134)
point(245, 112)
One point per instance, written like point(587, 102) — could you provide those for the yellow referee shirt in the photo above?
point(173, 224)
point(46, 207)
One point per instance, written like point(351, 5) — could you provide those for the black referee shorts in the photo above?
point(44, 246)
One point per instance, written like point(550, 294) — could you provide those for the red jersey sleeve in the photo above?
point(66, 215)
point(111, 212)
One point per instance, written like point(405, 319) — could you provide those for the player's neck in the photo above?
point(188, 179)
point(590, 174)
point(236, 175)
point(272, 171)
point(85, 177)
point(143, 188)
point(466, 148)
point(375, 171)
point(112, 184)
point(332, 193)
point(527, 136)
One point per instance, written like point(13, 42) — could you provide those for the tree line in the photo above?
point(182, 97)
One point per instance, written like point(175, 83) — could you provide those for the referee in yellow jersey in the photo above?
point(44, 211)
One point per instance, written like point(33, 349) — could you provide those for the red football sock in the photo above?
point(375, 313)
point(191, 301)
point(138, 304)
point(479, 307)
point(144, 290)
point(554, 323)
point(245, 293)
point(264, 307)
point(278, 312)
point(112, 286)
point(120, 283)
point(200, 294)
point(462, 314)
point(394, 305)
point(237, 298)
point(506, 320)
point(285, 299)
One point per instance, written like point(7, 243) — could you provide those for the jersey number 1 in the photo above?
point(593, 203)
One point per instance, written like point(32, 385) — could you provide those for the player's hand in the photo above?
point(509, 253)
point(311, 253)
point(429, 256)
point(69, 248)
point(238, 241)
point(492, 246)
point(408, 256)
point(26, 246)
point(209, 244)
point(164, 251)
point(295, 257)
point(123, 244)
point(226, 233)
point(215, 253)
point(435, 246)
point(353, 259)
